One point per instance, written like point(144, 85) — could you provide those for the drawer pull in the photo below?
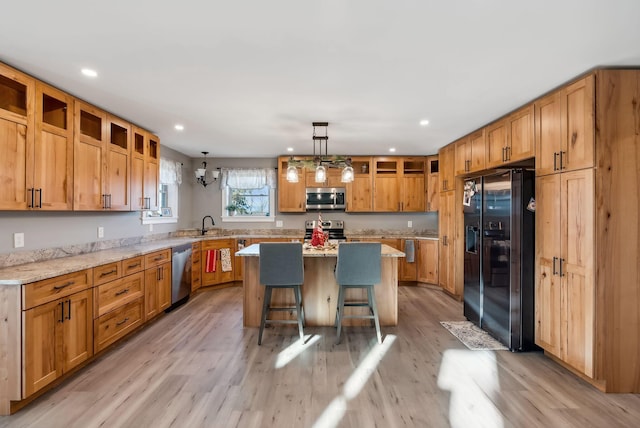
point(121, 292)
point(158, 258)
point(133, 265)
point(108, 273)
point(65, 285)
point(118, 324)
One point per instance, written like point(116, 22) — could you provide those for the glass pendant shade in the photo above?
point(292, 174)
point(347, 174)
point(321, 174)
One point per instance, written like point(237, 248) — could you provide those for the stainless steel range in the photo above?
point(335, 228)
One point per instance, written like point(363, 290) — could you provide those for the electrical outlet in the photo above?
point(100, 232)
point(18, 240)
point(279, 223)
point(409, 223)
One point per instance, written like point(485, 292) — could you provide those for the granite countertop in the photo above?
point(51, 263)
point(308, 251)
point(30, 272)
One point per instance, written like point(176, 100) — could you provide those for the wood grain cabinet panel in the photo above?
point(89, 166)
point(433, 183)
point(58, 337)
point(118, 323)
point(427, 260)
point(360, 190)
point(291, 196)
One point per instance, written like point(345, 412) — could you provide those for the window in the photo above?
point(170, 179)
point(248, 195)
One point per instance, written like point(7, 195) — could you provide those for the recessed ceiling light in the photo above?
point(289, 149)
point(179, 127)
point(424, 122)
point(89, 72)
point(392, 149)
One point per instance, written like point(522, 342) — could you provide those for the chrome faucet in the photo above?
point(213, 223)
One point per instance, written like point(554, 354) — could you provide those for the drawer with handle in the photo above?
point(117, 293)
point(132, 265)
point(48, 290)
point(157, 258)
point(106, 273)
point(116, 324)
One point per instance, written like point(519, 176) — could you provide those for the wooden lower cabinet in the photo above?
point(118, 323)
point(217, 276)
point(58, 336)
point(427, 261)
point(407, 271)
point(449, 217)
point(157, 290)
point(196, 266)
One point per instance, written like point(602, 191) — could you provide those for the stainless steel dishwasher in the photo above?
point(180, 274)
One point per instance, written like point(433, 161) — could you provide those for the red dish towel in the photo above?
point(210, 265)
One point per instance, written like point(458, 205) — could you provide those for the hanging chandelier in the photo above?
point(321, 161)
point(201, 173)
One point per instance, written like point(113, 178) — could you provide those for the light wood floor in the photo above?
point(197, 366)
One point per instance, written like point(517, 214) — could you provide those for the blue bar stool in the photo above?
point(281, 266)
point(358, 267)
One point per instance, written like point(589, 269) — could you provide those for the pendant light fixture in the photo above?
point(201, 173)
point(321, 161)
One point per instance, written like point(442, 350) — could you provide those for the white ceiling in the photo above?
point(247, 78)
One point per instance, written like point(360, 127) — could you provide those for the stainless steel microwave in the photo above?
point(326, 198)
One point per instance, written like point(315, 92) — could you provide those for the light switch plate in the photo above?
point(279, 223)
point(18, 240)
point(409, 223)
point(100, 232)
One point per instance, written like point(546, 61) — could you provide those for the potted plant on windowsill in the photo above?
point(238, 205)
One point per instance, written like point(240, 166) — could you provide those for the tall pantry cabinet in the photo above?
point(587, 169)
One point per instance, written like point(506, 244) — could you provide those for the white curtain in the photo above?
point(170, 172)
point(248, 178)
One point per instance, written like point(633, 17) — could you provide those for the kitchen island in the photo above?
point(320, 290)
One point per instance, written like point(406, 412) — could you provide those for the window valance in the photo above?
point(248, 178)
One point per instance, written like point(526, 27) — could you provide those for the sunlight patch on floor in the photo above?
point(292, 351)
point(334, 412)
point(472, 379)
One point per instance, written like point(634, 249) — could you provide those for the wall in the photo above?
point(207, 201)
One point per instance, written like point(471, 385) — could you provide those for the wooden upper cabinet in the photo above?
point(17, 100)
point(521, 143)
point(412, 185)
point(360, 190)
point(433, 183)
point(386, 184)
point(548, 134)
point(470, 153)
point(565, 129)
point(446, 156)
point(53, 152)
point(139, 142)
point(462, 156)
point(118, 155)
point(496, 143)
point(89, 166)
point(152, 172)
point(291, 196)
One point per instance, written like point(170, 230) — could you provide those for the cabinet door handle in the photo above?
point(555, 161)
point(30, 205)
point(504, 156)
point(554, 266)
point(147, 203)
point(69, 309)
point(561, 263)
point(121, 292)
point(61, 320)
point(118, 324)
point(562, 166)
point(39, 198)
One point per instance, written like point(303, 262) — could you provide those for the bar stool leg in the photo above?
point(340, 312)
point(374, 308)
point(299, 291)
point(265, 309)
point(296, 292)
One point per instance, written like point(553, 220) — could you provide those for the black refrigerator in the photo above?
point(499, 256)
